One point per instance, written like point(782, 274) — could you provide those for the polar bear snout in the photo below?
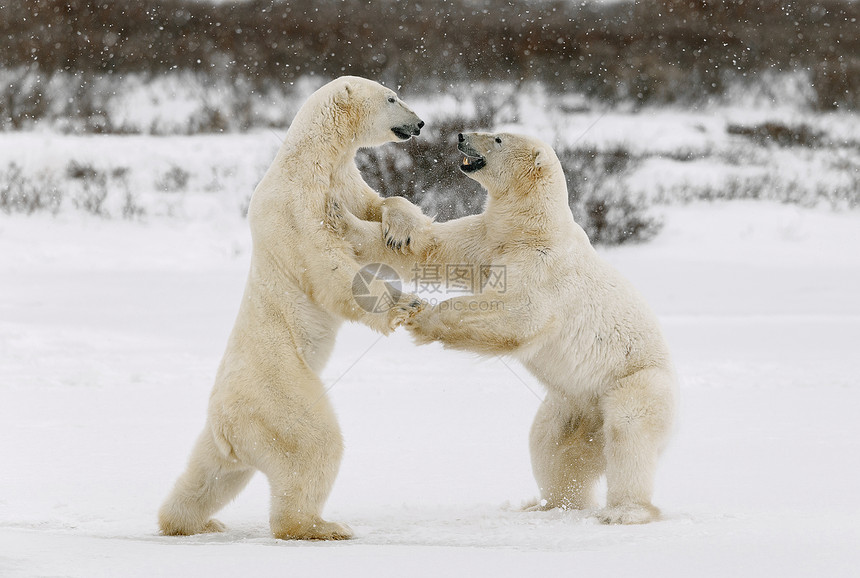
point(473, 160)
point(408, 130)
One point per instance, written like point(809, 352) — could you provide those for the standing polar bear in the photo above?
point(568, 316)
point(268, 410)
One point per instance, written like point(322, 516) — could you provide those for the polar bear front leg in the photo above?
point(404, 227)
point(346, 289)
point(488, 323)
point(365, 237)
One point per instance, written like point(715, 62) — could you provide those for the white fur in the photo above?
point(268, 410)
point(568, 316)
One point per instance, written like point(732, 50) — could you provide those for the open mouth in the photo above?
point(472, 160)
point(472, 164)
point(405, 132)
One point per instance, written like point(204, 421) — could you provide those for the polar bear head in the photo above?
point(364, 112)
point(503, 162)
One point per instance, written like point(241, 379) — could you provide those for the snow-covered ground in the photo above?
point(110, 334)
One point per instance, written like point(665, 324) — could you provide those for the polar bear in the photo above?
point(573, 321)
point(268, 410)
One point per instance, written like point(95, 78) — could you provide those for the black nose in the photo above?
point(460, 137)
point(420, 124)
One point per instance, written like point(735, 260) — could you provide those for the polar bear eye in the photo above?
point(392, 99)
point(498, 140)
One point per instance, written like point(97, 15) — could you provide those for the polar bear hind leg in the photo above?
point(298, 445)
point(207, 485)
point(301, 476)
point(637, 422)
point(567, 455)
point(289, 434)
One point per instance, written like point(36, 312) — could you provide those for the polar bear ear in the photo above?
point(343, 94)
point(539, 157)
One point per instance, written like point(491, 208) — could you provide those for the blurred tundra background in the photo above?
point(654, 102)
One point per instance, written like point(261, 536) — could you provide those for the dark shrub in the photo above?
point(426, 170)
point(600, 200)
point(779, 134)
point(655, 51)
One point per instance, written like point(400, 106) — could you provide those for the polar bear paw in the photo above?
point(629, 514)
point(339, 220)
point(335, 217)
point(213, 526)
point(174, 528)
point(425, 326)
point(318, 530)
point(404, 227)
point(408, 306)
